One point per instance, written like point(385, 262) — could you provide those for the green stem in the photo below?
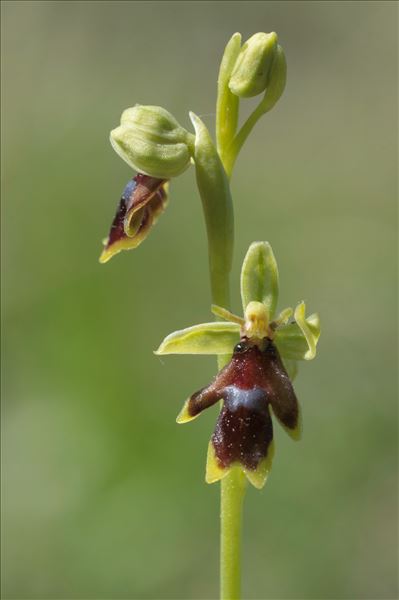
point(233, 488)
point(233, 485)
point(214, 168)
point(232, 493)
point(213, 171)
point(242, 135)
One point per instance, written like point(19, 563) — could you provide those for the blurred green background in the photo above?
point(103, 495)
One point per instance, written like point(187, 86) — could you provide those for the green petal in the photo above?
point(298, 340)
point(225, 314)
point(283, 317)
point(259, 277)
point(310, 328)
point(207, 338)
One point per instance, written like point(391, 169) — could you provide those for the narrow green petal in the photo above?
point(283, 317)
point(259, 277)
point(298, 341)
point(225, 314)
point(310, 328)
point(207, 338)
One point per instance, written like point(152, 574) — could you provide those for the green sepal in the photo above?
point(298, 341)
point(207, 338)
point(257, 477)
point(291, 366)
point(251, 72)
point(277, 81)
point(259, 277)
point(152, 142)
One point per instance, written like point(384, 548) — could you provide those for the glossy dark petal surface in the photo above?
point(203, 399)
point(244, 428)
point(254, 379)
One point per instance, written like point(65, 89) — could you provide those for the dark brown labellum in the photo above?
point(254, 381)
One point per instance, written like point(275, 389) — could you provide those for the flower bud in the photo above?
point(251, 73)
point(152, 142)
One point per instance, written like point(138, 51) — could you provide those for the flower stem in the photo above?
point(213, 171)
point(231, 504)
point(233, 485)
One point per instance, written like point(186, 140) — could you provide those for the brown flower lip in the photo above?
point(143, 200)
point(253, 381)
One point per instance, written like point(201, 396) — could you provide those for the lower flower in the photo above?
point(254, 381)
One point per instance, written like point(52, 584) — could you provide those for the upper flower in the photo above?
point(153, 143)
point(258, 376)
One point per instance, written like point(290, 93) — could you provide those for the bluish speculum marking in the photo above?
point(252, 399)
point(128, 191)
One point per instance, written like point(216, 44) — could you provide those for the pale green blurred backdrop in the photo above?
point(103, 494)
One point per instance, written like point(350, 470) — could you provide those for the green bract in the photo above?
point(227, 102)
point(296, 339)
point(152, 142)
point(214, 190)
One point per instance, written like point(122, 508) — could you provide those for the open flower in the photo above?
point(258, 376)
point(142, 201)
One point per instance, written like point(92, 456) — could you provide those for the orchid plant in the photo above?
point(257, 353)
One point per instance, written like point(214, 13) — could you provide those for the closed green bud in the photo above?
point(152, 142)
point(251, 73)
